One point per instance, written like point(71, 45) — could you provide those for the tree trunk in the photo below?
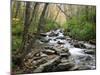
point(57, 15)
point(17, 9)
point(41, 24)
point(23, 48)
point(34, 12)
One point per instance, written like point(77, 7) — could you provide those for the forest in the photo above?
point(52, 37)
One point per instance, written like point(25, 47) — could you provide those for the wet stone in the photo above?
point(48, 52)
point(64, 66)
point(63, 60)
point(64, 54)
point(43, 34)
point(79, 45)
point(92, 42)
point(89, 51)
point(76, 67)
point(62, 38)
point(59, 42)
point(57, 55)
point(53, 34)
point(65, 50)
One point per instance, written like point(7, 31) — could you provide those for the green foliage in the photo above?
point(17, 28)
point(64, 26)
point(83, 25)
point(16, 42)
point(81, 29)
point(50, 25)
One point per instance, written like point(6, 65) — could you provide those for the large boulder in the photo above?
point(89, 46)
point(88, 58)
point(48, 67)
point(68, 59)
point(63, 66)
point(79, 45)
point(92, 42)
point(75, 67)
point(84, 67)
point(89, 51)
point(66, 63)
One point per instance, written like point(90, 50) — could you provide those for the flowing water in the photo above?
point(83, 59)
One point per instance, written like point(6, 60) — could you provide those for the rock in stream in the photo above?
point(63, 53)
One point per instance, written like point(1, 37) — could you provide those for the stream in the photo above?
point(84, 56)
point(63, 53)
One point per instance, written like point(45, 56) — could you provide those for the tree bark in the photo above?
point(33, 12)
point(23, 48)
point(57, 15)
point(17, 9)
point(41, 24)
